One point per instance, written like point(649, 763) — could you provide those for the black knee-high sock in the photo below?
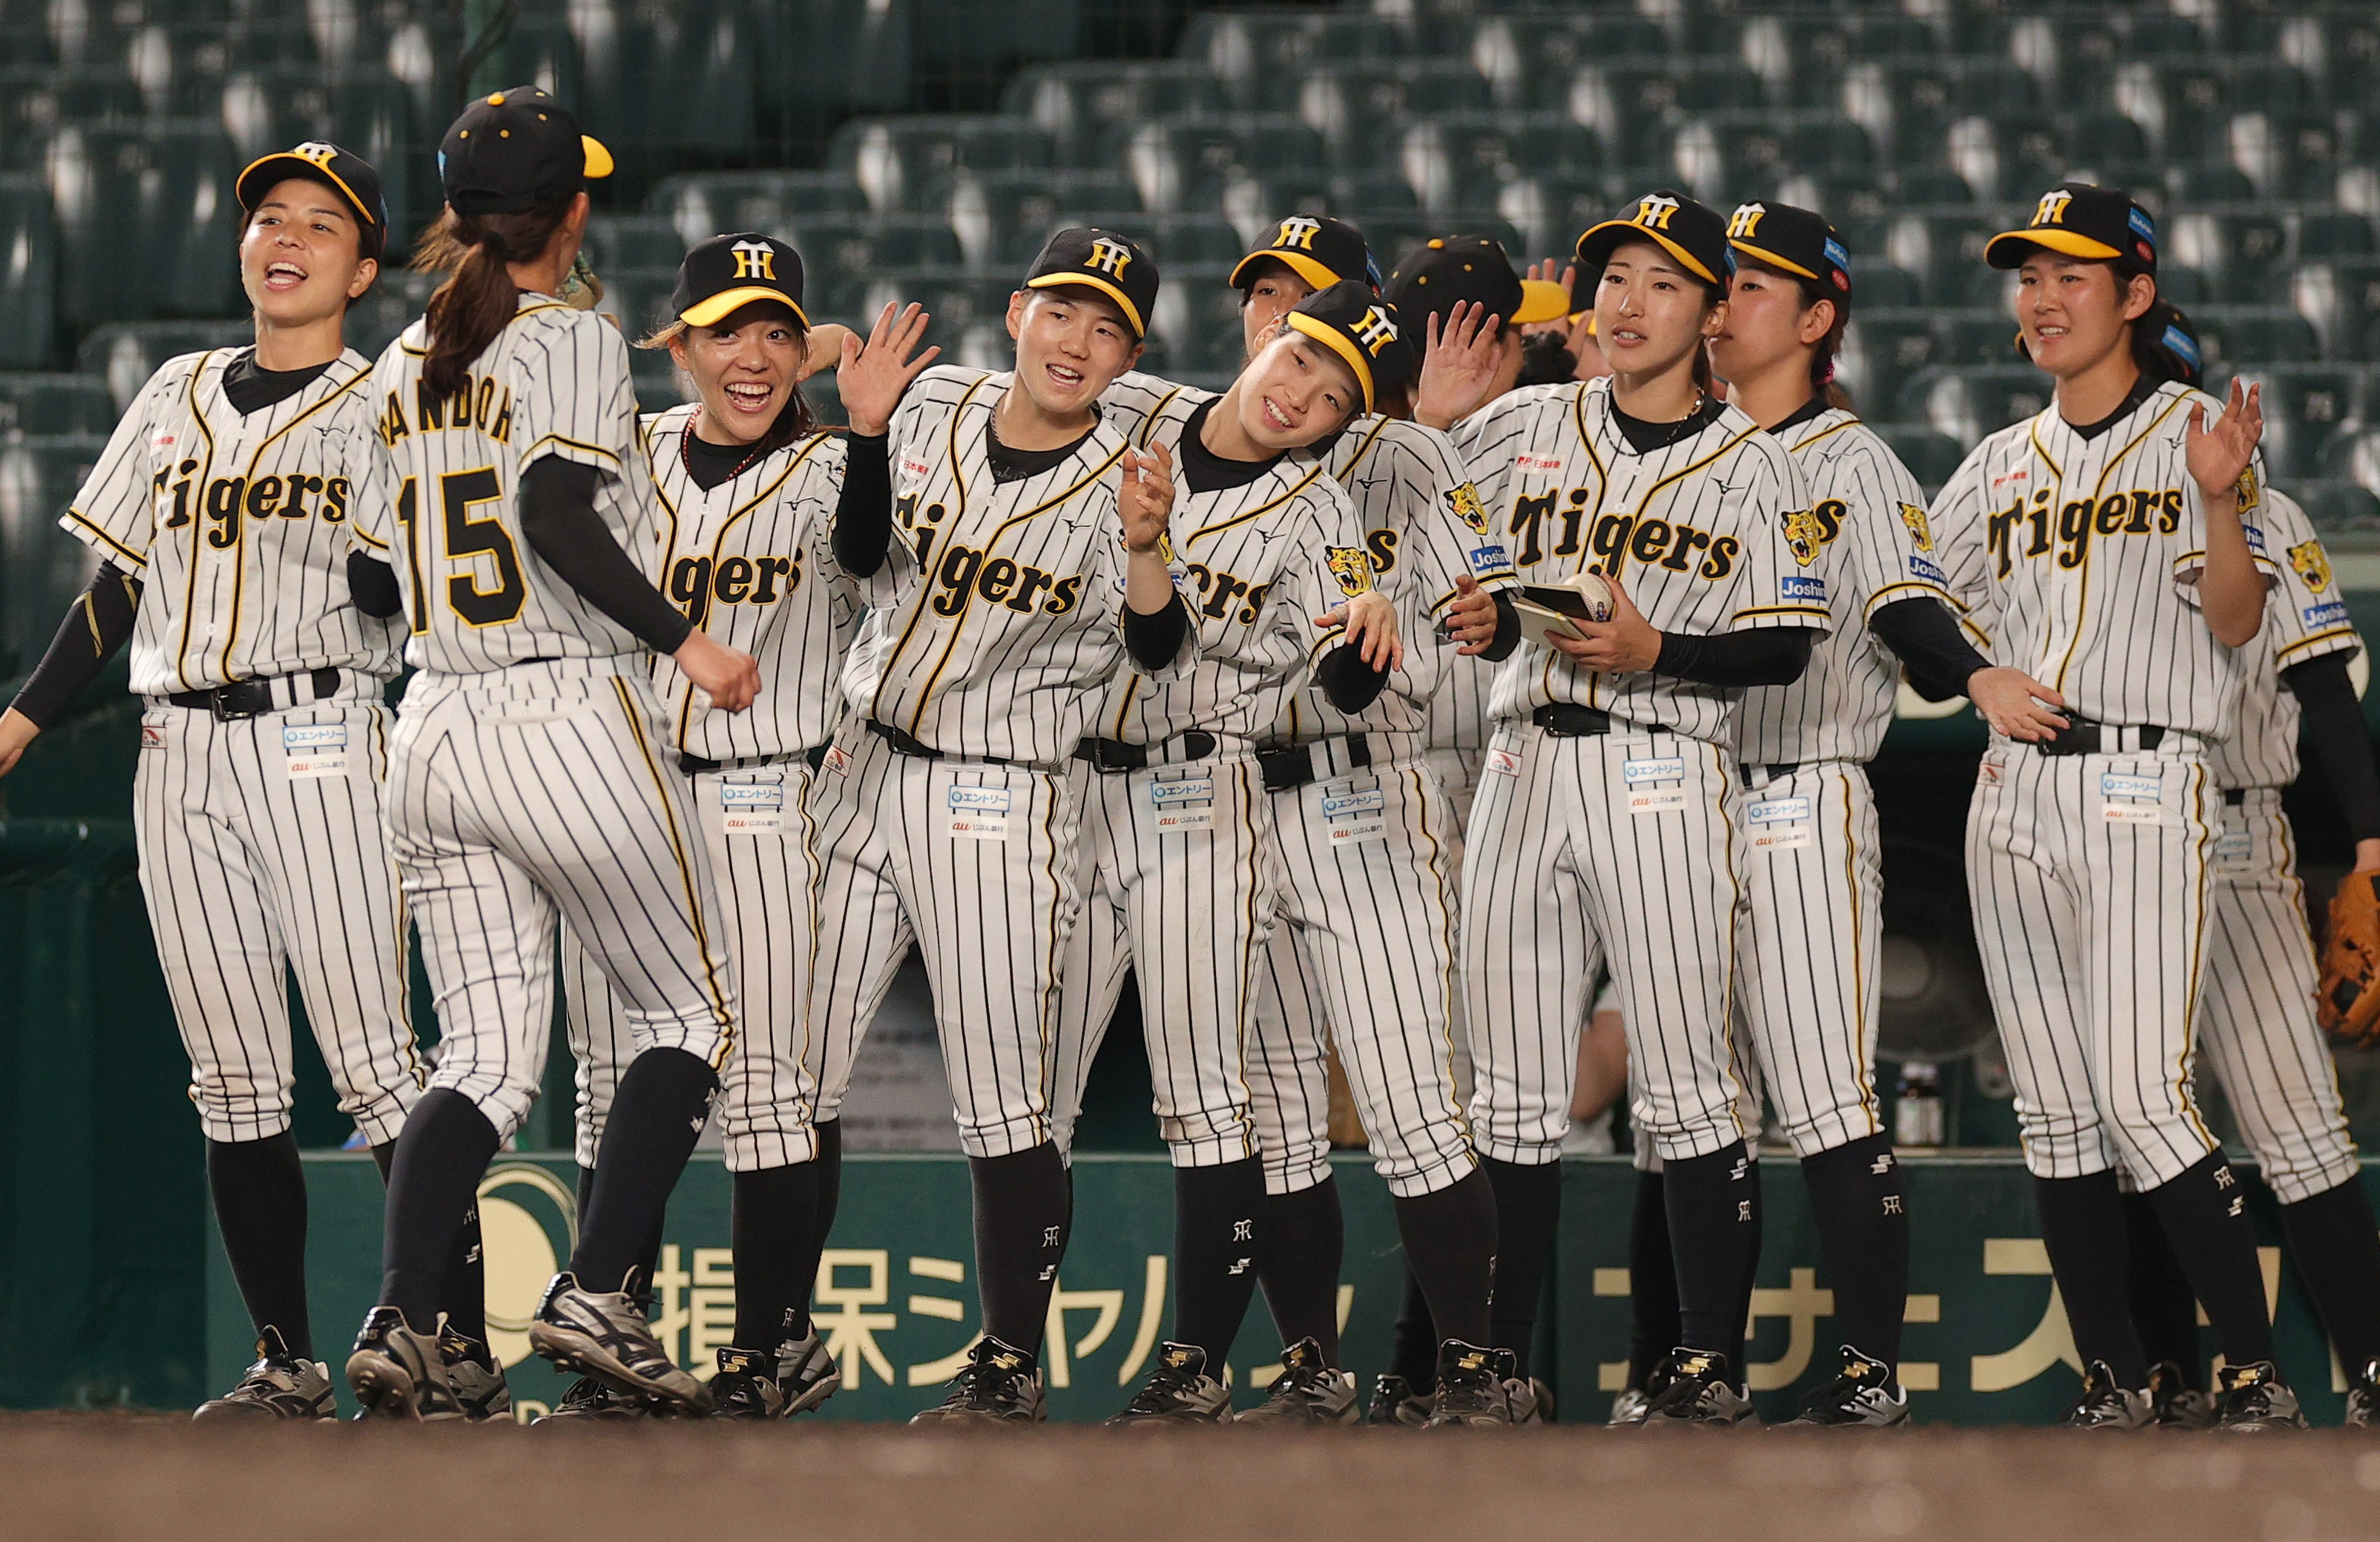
point(1529, 1211)
point(663, 1100)
point(2206, 1218)
point(463, 1295)
point(2165, 1313)
point(1653, 1326)
point(1713, 1203)
point(1216, 1212)
point(260, 1195)
point(1413, 1353)
point(2337, 1250)
point(2082, 1230)
point(441, 1156)
point(1022, 1204)
point(1304, 1239)
point(1863, 1218)
point(775, 1226)
point(648, 1256)
point(1450, 1240)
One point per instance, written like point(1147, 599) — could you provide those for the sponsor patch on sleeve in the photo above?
point(1794, 590)
point(1919, 568)
point(2330, 613)
point(1489, 559)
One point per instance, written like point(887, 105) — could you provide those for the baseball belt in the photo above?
point(1289, 766)
point(1566, 720)
point(1112, 756)
point(2082, 736)
point(695, 764)
point(909, 743)
point(248, 699)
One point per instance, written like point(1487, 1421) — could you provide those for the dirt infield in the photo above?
point(93, 1477)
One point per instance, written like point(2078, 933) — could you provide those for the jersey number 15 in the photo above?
point(467, 540)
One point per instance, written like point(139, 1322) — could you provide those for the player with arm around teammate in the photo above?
point(2107, 546)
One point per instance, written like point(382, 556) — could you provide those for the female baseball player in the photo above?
point(2109, 547)
point(1603, 828)
point(526, 766)
point(981, 513)
point(219, 513)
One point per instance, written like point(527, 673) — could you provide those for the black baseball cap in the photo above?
point(516, 149)
point(1797, 241)
point(344, 172)
point(1445, 270)
point(1318, 249)
point(1101, 260)
point(1689, 231)
point(1363, 329)
point(2079, 219)
point(727, 272)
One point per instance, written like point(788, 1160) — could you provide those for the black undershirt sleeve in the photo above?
point(97, 624)
point(557, 510)
point(863, 518)
point(1764, 656)
point(2342, 747)
point(1350, 683)
point(371, 584)
point(1508, 630)
point(1927, 636)
point(1156, 639)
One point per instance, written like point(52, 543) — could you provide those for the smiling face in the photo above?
point(1650, 313)
point(1071, 344)
point(743, 368)
point(1272, 294)
point(1295, 392)
point(298, 254)
point(2073, 313)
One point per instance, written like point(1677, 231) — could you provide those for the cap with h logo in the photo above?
point(1796, 241)
point(516, 149)
point(727, 272)
point(1692, 233)
point(2079, 219)
point(1362, 330)
point(1100, 260)
point(1446, 270)
point(1318, 249)
point(350, 176)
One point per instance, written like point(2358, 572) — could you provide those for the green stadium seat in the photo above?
point(28, 273)
point(541, 47)
point(2237, 246)
point(1251, 51)
point(146, 220)
point(2305, 407)
point(616, 241)
point(2209, 182)
point(1174, 240)
point(45, 405)
point(1394, 236)
point(638, 298)
point(2159, 31)
point(894, 159)
point(1882, 347)
point(1878, 284)
point(388, 308)
point(1968, 403)
point(954, 298)
point(1001, 218)
point(1852, 198)
point(2341, 299)
point(1983, 336)
point(2318, 233)
point(2287, 155)
point(1354, 107)
point(868, 41)
point(2234, 336)
point(1528, 59)
point(2338, 48)
point(1196, 324)
point(1909, 106)
point(40, 572)
point(710, 204)
point(2354, 457)
point(1089, 107)
point(36, 99)
point(125, 354)
point(1988, 288)
point(1890, 35)
point(1932, 456)
point(836, 246)
point(2339, 508)
point(1548, 213)
point(1800, 59)
point(1925, 184)
point(665, 77)
point(1727, 157)
point(1464, 160)
point(1183, 163)
point(969, 37)
point(1632, 107)
point(2184, 286)
point(658, 384)
point(1942, 246)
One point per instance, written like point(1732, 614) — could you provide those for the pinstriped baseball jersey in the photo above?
point(1260, 561)
point(751, 562)
point(1695, 530)
point(2080, 557)
point(553, 383)
point(237, 524)
point(1135, 397)
point(2304, 618)
point(1866, 537)
point(996, 624)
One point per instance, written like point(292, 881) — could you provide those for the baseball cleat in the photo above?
point(743, 1387)
point(589, 1399)
point(2104, 1405)
point(1471, 1383)
point(1531, 1400)
point(1628, 1406)
point(2252, 1398)
point(2174, 1403)
point(998, 1385)
point(1307, 1391)
point(398, 1373)
point(807, 1372)
point(279, 1386)
point(2364, 1397)
point(1395, 1405)
point(1695, 1389)
point(477, 1379)
point(1179, 1391)
point(601, 1334)
point(1865, 1397)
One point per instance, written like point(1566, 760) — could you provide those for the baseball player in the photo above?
point(747, 485)
point(219, 513)
point(1603, 828)
point(2259, 1032)
point(1012, 550)
point(1179, 869)
point(526, 770)
point(2109, 547)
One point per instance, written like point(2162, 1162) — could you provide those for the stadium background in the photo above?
point(922, 149)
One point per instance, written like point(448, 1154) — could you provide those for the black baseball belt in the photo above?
point(248, 699)
point(2082, 736)
point(694, 765)
point(1566, 720)
point(1114, 755)
point(1286, 767)
point(909, 743)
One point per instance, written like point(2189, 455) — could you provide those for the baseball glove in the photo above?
point(2347, 1000)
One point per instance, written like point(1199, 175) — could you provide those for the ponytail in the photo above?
point(2164, 345)
point(479, 299)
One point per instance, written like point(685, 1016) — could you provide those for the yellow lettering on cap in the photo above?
point(2052, 208)
point(1109, 257)
point(1746, 223)
point(755, 259)
point(1375, 331)
point(1653, 211)
point(1298, 233)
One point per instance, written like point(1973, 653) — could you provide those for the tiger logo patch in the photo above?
point(2312, 565)
point(2251, 496)
point(1919, 531)
point(1805, 536)
point(1465, 501)
point(1350, 568)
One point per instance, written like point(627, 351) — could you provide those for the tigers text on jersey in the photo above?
point(996, 621)
point(237, 524)
point(2081, 558)
point(1866, 535)
point(1696, 531)
point(2304, 618)
point(1259, 561)
point(750, 562)
point(553, 383)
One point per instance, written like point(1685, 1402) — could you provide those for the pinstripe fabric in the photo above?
point(2305, 618)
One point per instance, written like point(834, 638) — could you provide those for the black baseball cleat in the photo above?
point(1866, 1396)
point(2252, 1398)
point(476, 1380)
point(1308, 1391)
point(1395, 1405)
point(1697, 1388)
point(2101, 1404)
point(998, 1385)
point(806, 1370)
point(2364, 1397)
point(601, 1334)
point(590, 1401)
point(2174, 1403)
point(280, 1384)
point(398, 1373)
point(1470, 1382)
point(1628, 1406)
point(1178, 1392)
point(745, 1386)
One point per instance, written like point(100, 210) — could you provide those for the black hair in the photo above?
point(1823, 383)
point(479, 299)
point(1546, 360)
